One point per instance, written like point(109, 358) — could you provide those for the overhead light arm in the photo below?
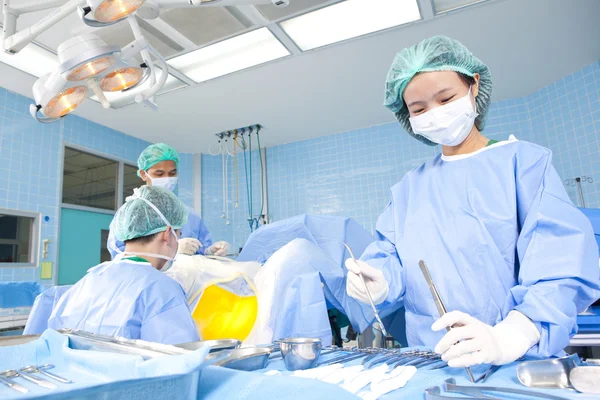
point(95, 86)
point(153, 90)
point(137, 33)
point(16, 41)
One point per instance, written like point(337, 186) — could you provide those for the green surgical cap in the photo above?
point(439, 53)
point(136, 218)
point(156, 153)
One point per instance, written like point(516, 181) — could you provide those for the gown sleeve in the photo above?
point(195, 228)
point(558, 275)
point(383, 254)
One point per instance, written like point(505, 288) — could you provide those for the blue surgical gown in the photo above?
point(128, 299)
point(498, 233)
point(42, 308)
point(194, 228)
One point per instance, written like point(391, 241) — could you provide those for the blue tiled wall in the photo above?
point(350, 173)
point(30, 166)
point(29, 170)
point(186, 179)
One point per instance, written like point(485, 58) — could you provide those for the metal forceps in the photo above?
point(438, 302)
point(368, 292)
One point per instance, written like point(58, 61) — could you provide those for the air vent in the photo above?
point(121, 35)
point(274, 13)
point(203, 25)
point(442, 6)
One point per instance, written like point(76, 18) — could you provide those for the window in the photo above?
point(89, 180)
point(130, 180)
point(95, 182)
point(19, 238)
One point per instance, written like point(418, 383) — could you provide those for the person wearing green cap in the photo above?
point(157, 166)
point(131, 296)
point(512, 258)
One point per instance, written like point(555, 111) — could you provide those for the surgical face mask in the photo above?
point(169, 183)
point(448, 125)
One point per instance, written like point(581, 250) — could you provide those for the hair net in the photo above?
point(156, 153)
point(439, 53)
point(136, 218)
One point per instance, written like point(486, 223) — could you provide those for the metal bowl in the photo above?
point(300, 353)
point(247, 359)
point(214, 345)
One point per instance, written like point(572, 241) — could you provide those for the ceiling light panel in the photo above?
point(349, 19)
point(442, 6)
point(203, 25)
point(33, 60)
point(231, 55)
point(274, 13)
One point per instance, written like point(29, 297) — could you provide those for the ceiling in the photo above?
point(528, 44)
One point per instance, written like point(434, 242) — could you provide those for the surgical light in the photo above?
point(121, 79)
point(85, 56)
point(54, 98)
point(65, 102)
point(113, 10)
point(91, 69)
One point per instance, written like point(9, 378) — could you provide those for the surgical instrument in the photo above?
point(487, 374)
point(438, 302)
point(41, 369)
point(349, 357)
point(376, 353)
point(362, 278)
point(393, 358)
point(451, 387)
point(33, 379)
point(6, 380)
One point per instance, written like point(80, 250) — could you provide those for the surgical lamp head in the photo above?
point(86, 61)
point(53, 99)
point(113, 10)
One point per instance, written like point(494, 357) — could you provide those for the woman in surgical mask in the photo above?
point(158, 165)
point(513, 259)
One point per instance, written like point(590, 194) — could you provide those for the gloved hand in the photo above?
point(374, 278)
point(218, 249)
point(473, 342)
point(188, 246)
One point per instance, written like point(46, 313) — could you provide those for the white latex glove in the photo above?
point(473, 342)
point(188, 246)
point(374, 278)
point(218, 249)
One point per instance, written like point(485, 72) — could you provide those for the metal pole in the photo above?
point(578, 180)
